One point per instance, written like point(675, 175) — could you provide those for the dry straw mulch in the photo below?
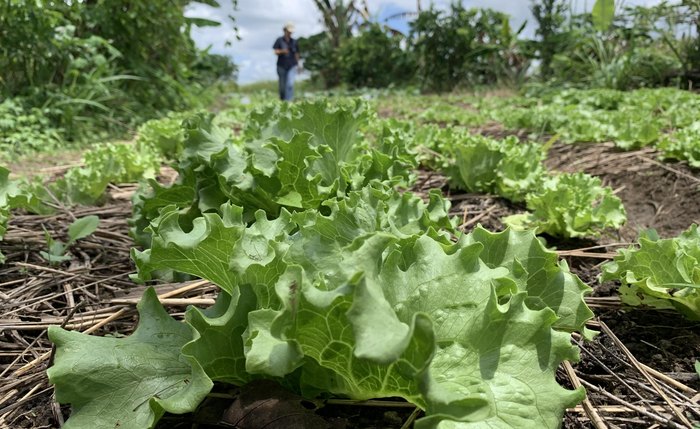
point(94, 294)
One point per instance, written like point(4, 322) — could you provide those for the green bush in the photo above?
point(375, 59)
point(465, 47)
point(77, 69)
point(26, 129)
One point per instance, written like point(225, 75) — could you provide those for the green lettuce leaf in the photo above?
point(370, 300)
point(218, 248)
point(393, 292)
point(130, 382)
point(333, 127)
point(218, 331)
point(539, 272)
point(683, 145)
point(164, 135)
point(571, 206)
point(298, 187)
point(292, 157)
point(150, 198)
point(105, 164)
point(507, 167)
point(660, 273)
point(511, 369)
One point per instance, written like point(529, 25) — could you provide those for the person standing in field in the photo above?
point(287, 51)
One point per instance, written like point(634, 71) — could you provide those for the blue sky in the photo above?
point(260, 23)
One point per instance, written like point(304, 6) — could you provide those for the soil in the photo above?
point(640, 362)
point(660, 195)
point(43, 164)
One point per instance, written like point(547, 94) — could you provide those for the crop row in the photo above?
point(331, 280)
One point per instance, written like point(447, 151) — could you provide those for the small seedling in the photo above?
point(79, 229)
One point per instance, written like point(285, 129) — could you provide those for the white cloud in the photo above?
point(260, 23)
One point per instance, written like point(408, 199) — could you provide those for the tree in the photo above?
point(550, 16)
point(374, 58)
point(463, 46)
point(339, 18)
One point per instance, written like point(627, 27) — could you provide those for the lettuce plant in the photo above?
point(367, 297)
point(293, 158)
point(164, 136)
point(571, 205)
point(660, 273)
point(507, 167)
point(564, 205)
point(683, 145)
point(475, 163)
point(102, 165)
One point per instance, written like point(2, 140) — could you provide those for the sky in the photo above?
point(260, 22)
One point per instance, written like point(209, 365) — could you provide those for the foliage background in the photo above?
point(70, 70)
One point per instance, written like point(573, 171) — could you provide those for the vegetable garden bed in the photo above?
point(638, 372)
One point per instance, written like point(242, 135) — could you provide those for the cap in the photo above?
point(289, 26)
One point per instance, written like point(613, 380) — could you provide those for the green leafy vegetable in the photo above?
point(332, 281)
point(571, 205)
point(163, 136)
point(538, 271)
point(218, 342)
point(630, 119)
point(683, 145)
point(660, 273)
point(109, 163)
point(80, 228)
point(293, 159)
point(417, 305)
point(130, 382)
point(508, 167)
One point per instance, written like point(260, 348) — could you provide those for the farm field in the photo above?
point(467, 260)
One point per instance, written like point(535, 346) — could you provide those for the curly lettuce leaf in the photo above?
point(387, 300)
point(218, 248)
point(218, 344)
point(660, 273)
point(105, 164)
point(164, 135)
point(508, 168)
point(367, 304)
point(539, 272)
point(150, 198)
point(130, 382)
point(512, 369)
point(298, 187)
point(683, 145)
point(292, 157)
point(571, 206)
point(335, 127)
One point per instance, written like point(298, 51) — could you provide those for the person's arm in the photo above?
point(279, 48)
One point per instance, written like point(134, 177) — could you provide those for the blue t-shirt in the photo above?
point(289, 59)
